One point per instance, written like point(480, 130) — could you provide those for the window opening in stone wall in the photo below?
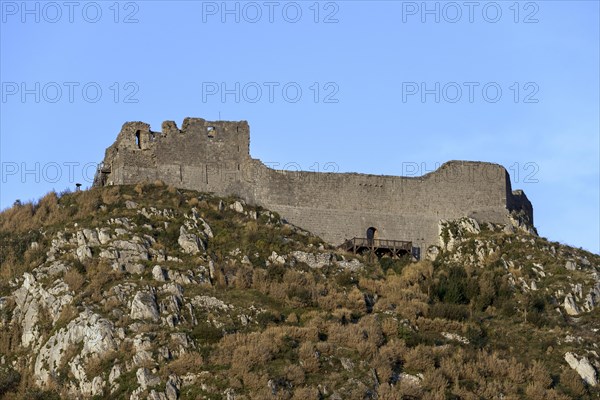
point(210, 131)
point(138, 142)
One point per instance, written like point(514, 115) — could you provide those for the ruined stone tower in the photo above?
point(215, 157)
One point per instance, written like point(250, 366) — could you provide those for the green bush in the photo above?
point(455, 312)
point(453, 287)
point(476, 335)
point(275, 273)
point(206, 333)
point(301, 294)
point(79, 266)
point(170, 236)
point(345, 279)
point(395, 264)
point(9, 380)
point(535, 304)
point(38, 394)
point(268, 317)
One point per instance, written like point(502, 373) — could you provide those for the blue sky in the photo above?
point(381, 87)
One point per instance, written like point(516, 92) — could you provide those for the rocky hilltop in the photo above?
point(150, 292)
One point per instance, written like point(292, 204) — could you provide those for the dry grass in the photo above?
point(100, 366)
point(188, 362)
point(329, 337)
point(74, 279)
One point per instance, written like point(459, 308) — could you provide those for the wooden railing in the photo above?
point(394, 245)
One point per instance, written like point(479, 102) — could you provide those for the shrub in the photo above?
point(476, 335)
point(170, 236)
point(304, 393)
point(300, 294)
point(394, 264)
point(98, 365)
point(9, 380)
point(188, 362)
point(206, 333)
point(540, 375)
point(453, 288)
point(38, 394)
point(275, 273)
point(74, 279)
point(78, 266)
point(572, 384)
point(535, 305)
point(419, 359)
point(455, 312)
point(267, 317)
point(345, 279)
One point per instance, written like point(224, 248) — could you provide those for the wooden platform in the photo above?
point(395, 248)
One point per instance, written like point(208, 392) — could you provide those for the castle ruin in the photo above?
point(214, 156)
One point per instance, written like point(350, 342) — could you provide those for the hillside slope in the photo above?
point(150, 292)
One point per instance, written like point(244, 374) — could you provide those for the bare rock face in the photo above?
point(158, 273)
point(171, 391)
point(432, 253)
point(352, 265)
point(206, 228)
point(276, 258)
point(189, 242)
point(570, 305)
point(94, 334)
point(154, 395)
point(131, 250)
point(593, 297)
point(522, 225)
point(413, 380)
point(469, 225)
point(115, 373)
point(318, 260)
point(31, 299)
point(583, 367)
point(142, 345)
point(571, 265)
point(144, 307)
point(509, 229)
point(104, 236)
point(195, 217)
point(237, 206)
point(146, 378)
point(83, 253)
point(91, 237)
point(456, 337)
point(452, 232)
point(207, 302)
point(137, 269)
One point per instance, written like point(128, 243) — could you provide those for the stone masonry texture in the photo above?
point(214, 156)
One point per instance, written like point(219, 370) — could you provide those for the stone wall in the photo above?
point(214, 157)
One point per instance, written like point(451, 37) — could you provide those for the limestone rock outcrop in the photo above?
point(583, 367)
point(144, 307)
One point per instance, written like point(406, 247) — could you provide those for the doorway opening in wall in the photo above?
point(138, 142)
point(372, 235)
